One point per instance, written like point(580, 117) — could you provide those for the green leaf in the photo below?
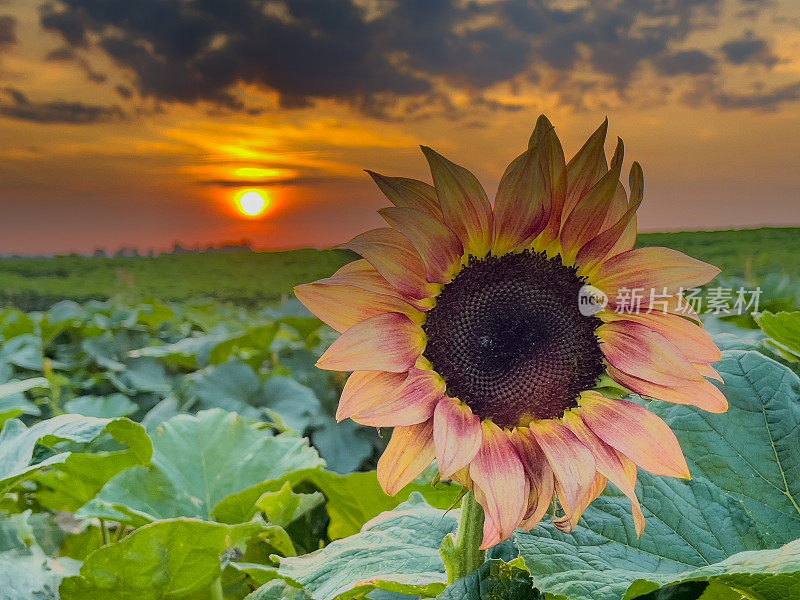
point(297, 404)
point(783, 330)
point(743, 496)
point(232, 386)
point(285, 506)
point(494, 580)
point(762, 574)
point(277, 589)
point(103, 407)
point(397, 551)
point(12, 388)
point(198, 461)
point(69, 485)
point(352, 499)
point(168, 559)
point(17, 442)
point(31, 574)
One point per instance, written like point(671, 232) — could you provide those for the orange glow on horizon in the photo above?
point(252, 203)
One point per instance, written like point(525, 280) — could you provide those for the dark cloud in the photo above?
point(124, 91)
point(692, 62)
point(20, 107)
point(766, 101)
point(8, 30)
point(749, 50)
point(198, 50)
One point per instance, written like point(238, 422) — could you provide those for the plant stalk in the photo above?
point(461, 552)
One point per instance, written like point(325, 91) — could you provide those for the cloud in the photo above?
point(764, 101)
point(693, 62)
point(20, 107)
point(8, 30)
point(749, 49)
point(373, 54)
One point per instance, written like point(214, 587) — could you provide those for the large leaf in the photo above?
point(169, 559)
point(494, 580)
point(198, 461)
point(397, 551)
point(352, 499)
point(277, 589)
point(783, 330)
point(62, 435)
point(744, 496)
point(32, 575)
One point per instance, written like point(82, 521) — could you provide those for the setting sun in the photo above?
point(251, 203)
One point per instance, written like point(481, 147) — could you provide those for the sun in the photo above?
point(251, 203)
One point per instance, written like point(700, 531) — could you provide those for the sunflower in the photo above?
point(500, 341)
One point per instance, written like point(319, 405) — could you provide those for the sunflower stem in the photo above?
point(461, 552)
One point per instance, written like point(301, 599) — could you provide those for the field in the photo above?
point(165, 434)
point(253, 279)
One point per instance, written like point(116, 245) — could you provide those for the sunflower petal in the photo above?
point(409, 193)
point(572, 463)
point(591, 211)
point(408, 454)
point(361, 274)
point(390, 342)
point(438, 247)
point(522, 204)
point(652, 269)
point(381, 399)
point(465, 207)
point(457, 435)
point(342, 306)
point(539, 474)
point(705, 395)
point(635, 432)
point(395, 259)
point(500, 483)
point(585, 168)
point(569, 521)
point(619, 237)
point(691, 340)
point(644, 353)
point(554, 169)
point(609, 463)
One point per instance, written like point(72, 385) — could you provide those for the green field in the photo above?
point(254, 279)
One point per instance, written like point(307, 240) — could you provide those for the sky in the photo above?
point(140, 123)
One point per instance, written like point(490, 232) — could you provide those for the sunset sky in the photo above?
point(137, 122)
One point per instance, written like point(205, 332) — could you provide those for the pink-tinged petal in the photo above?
point(361, 274)
point(636, 508)
point(609, 462)
point(660, 269)
point(706, 370)
point(342, 306)
point(438, 247)
point(642, 352)
point(569, 521)
point(705, 395)
point(539, 474)
point(457, 435)
point(465, 207)
point(409, 193)
point(571, 461)
point(554, 169)
point(491, 536)
point(381, 399)
point(390, 342)
point(407, 455)
point(522, 204)
point(590, 213)
point(636, 432)
point(586, 168)
point(500, 483)
point(691, 340)
point(620, 236)
point(395, 259)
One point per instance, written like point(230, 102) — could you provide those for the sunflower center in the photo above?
point(510, 341)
